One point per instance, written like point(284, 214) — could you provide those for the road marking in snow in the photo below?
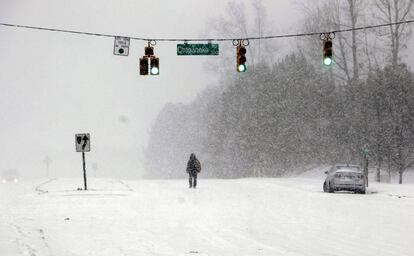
point(126, 185)
point(42, 191)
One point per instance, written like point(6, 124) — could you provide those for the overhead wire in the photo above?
point(208, 39)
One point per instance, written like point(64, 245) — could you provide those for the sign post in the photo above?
point(83, 144)
point(85, 184)
point(365, 153)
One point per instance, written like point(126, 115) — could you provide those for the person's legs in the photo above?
point(190, 180)
point(195, 180)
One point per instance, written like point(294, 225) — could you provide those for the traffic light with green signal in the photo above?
point(327, 53)
point(241, 58)
point(155, 66)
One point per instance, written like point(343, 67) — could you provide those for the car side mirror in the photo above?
point(326, 172)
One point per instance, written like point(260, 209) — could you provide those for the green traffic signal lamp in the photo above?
point(241, 68)
point(155, 71)
point(327, 61)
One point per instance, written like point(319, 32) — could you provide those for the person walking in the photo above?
point(193, 168)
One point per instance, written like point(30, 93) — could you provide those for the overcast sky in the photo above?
point(54, 85)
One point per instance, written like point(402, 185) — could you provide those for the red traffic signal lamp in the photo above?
point(241, 58)
point(327, 53)
point(143, 66)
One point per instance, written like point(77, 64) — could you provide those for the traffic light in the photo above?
point(241, 58)
point(143, 66)
point(327, 53)
point(155, 66)
point(149, 51)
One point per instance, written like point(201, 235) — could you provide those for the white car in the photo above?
point(344, 177)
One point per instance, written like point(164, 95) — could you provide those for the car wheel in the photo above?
point(330, 188)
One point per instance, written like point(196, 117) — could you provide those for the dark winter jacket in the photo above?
point(193, 165)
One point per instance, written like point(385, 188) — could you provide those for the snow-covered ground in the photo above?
point(286, 216)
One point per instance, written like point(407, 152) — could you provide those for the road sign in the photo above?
point(197, 49)
point(83, 142)
point(121, 46)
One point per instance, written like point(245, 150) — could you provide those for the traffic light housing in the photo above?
point(155, 66)
point(143, 66)
point(149, 51)
point(241, 58)
point(327, 53)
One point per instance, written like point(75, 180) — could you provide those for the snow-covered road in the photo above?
point(287, 216)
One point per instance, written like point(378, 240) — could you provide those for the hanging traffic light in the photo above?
point(327, 53)
point(149, 51)
point(241, 58)
point(155, 66)
point(143, 66)
point(149, 64)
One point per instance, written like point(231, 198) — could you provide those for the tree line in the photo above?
point(289, 113)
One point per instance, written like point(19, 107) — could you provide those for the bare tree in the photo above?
point(333, 15)
point(392, 11)
point(238, 23)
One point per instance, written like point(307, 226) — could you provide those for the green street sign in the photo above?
point(197, 49)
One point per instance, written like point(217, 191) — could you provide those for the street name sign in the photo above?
point(197, 49)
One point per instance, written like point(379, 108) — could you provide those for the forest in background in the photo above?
point(288, 111)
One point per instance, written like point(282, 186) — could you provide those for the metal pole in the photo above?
point(366, 169)
point(84, 171)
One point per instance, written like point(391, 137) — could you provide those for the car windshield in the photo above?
point(348, 168)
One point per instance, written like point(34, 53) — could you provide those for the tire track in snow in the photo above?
point(25, 249)
point(28, 249)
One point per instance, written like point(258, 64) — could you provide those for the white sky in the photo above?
point(54, 85)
